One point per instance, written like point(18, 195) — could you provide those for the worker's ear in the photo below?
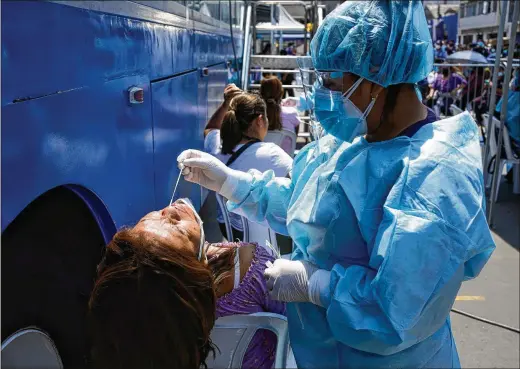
point(376, 90)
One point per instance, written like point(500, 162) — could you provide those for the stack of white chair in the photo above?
point(509, 159)
point(278, 137)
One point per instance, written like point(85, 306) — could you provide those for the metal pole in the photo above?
point(492, 103)
point(476, 86)
point(314, 6)
point(503, 110)
point(305, 31)
point(255, 51)
point(320, 16)
point(272, 32)
point(246, 60)
point(280, 34)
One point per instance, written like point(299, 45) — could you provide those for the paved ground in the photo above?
point(494, 295)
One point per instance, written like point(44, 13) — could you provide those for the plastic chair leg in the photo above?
point(501, 169)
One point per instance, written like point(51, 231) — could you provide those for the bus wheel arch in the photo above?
point(49, 258)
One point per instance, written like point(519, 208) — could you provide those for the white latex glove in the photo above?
point(204, 169)
point(288, 280)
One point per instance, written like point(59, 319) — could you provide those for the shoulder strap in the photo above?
point(237, 153)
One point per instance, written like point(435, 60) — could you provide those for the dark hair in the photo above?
point(272, 92)
point(222, 264)
point(391, 99)
point(152, 306)
point(243, 110)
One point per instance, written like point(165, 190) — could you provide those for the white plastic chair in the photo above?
point(491, 137)
point(455, 110)
point(509, 159)
point(254, 232)
point(232, 335)
point(278, 137)
point(30, 348)
point(225, 214)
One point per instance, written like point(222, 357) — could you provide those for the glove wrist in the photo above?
point(319, 288)
point(236, 186)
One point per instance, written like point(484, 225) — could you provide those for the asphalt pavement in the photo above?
point(494, 295)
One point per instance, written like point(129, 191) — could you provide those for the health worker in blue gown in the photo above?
point(386, 209)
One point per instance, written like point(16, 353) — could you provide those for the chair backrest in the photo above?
point(505, 138)
point(279, 137)
point(259, 233)
point(30, 348)
point(232, 335)
point(253, 232)
point(455, 110)
point(227, 222)
point(491, 134)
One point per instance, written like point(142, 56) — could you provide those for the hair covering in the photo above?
point(386, 42)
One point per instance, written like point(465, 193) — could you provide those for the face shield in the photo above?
point(331, 108)
point(202, 245)
point(312, 81)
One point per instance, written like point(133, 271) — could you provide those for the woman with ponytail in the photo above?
point(280, 117)
point(235, 135)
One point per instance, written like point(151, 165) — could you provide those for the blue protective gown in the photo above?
point(400, 224)
point(513, 114)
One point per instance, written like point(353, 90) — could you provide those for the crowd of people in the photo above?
point(470, 87)
point(445, 48)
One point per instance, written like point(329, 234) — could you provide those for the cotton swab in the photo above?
point(176, 184)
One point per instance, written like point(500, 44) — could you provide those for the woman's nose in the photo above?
point(170, 212)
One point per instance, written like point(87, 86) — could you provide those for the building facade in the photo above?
point(479, 21)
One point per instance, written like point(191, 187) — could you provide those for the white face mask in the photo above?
point(353, 112)
point(338, 115)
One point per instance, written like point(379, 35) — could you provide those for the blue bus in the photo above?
point(98, 99)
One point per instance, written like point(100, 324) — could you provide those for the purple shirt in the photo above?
point(448, 85)
point(251, 296)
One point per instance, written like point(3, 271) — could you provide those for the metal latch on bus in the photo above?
point(136, 95)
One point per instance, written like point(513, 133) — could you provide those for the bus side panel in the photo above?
point(211, 49)
point(218, 78)
point(91, 137)
point(49, 47)
point(176, 127)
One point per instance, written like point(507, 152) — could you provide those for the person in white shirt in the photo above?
point(234, 135)
point(280, 117)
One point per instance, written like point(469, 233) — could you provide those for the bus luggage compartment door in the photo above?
point(176, 127)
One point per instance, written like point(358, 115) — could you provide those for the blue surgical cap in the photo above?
point(386, 42)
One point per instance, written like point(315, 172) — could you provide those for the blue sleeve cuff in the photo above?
point(319, 288)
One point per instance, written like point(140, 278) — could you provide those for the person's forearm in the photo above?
point(215, 122)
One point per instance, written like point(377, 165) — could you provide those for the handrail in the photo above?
point(274, 71)
point(282, 2)
point(275, 56)
point(256, 85)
